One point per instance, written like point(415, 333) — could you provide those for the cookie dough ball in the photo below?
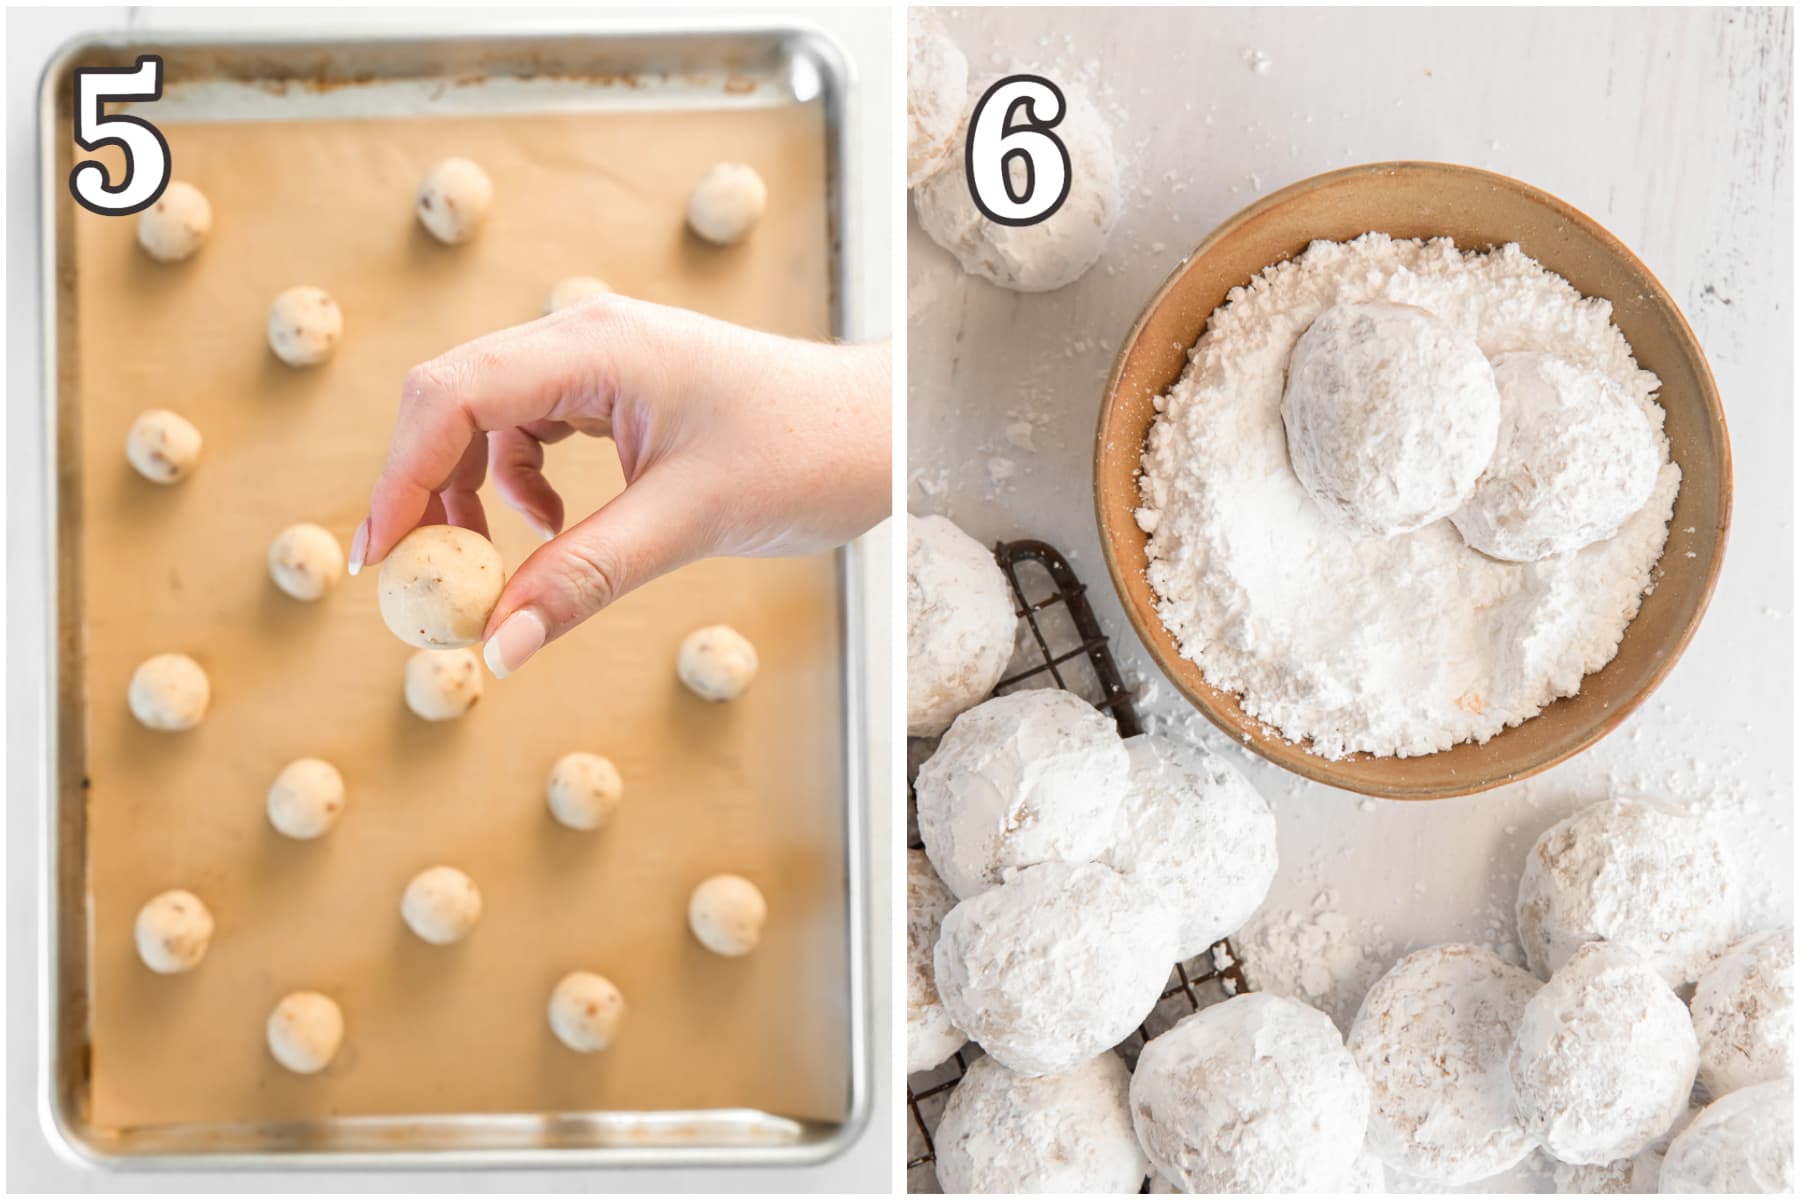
point(1633, 872)
point(572, 291)
point(959, 624)
point(169, 693)
point(727, 203)
point(442, 685)
point(162, 446)
point(454, 201)
point(1432, 1040)
point(172, 229)
point(931, 1036)
point(173, 931)
point(441, 905)
point(726, 913)
point(1743, 1143)
point(1057, 250)
point(937, 91)
point(1003, 1133)
point(305, 1031)
point(1576, 458)
point(1256, 1094)
point(305, 561)
point(1058, 963)
point(1198, 836)
point(1604, 1057)
point(716, 663)
point(586, 1011)
point(1743, 1012)
point(306, 799)
point(584, 790)
point(1030, 777)
point(305, 324)
point(439, 585)
point(1391, 416)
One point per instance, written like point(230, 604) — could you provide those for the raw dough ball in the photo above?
point(1256, 1094)
point(1057, 250)
point(1576, 458)
point(169, 693)
point(305, 1031)
point(1198, 836)
point(1030, 777)
point(306, 799)
point(586, 1011)
point(1741, 1143)
point(1637, 1175)
point(584, 790)
point(726, 913)
point(937, 91)
point(173, 932)
point(1058, 963)
point(959, 624)
point(439, 585)
point(441, 905)
point(305, 560)
point(1604, 1057)
point(173, 228)
point(1391, 416)
point(716, 663)
point(931, 1036)
point(1432, 1040)
point(442, 685)
point(727, 203)
point(454, 200)
point(1744, 1014)
point(305, 324)
point(1633, 872)
point(1004, 1133)
point(572, 291)
point(162, 446)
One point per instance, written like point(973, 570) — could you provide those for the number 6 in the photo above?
point(995, 141)
point(147, 165)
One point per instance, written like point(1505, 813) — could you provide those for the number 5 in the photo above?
point(996, 141)
point(147, 165)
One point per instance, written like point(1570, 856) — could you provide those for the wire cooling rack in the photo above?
point(1060, 639)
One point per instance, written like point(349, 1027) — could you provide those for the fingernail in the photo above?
point(359, 546)
point(540, 527)
point(519, 637)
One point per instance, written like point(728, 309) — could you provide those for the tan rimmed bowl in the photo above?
point(1479, 210)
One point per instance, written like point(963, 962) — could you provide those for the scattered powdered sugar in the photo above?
point(1322, 957)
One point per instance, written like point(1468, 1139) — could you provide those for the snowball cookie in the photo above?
point(306, 799)
point(716, 663)
point(1198, 836)
point(441, 905)
point(572, 291)
point(1391, 416)
point(959, 624)
point(305, 561)
point(442, 685)
point(169, 693)
point(1743, 1011)
point(173, 228)
point(1058, 963)
point(439, 585)
point(1255, 1094)
point(1432, 1039)
point(162, 446)
point(173, 931)
point(1576, 458)
point(1057, 250)
point(1365, 1177)
point(1634, 872)
point(454, 200)
point(1004, 1133)
point(931, 1036)
point(726, 913)
point(1637, 1175)
point(586, 1011)
point(727, 203)
point(1030, 777)
point(305, 324)
point(305, 1031)
point(937, 91)
point(1741, 1143)
point(584, 789)
point(1604, 1057)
